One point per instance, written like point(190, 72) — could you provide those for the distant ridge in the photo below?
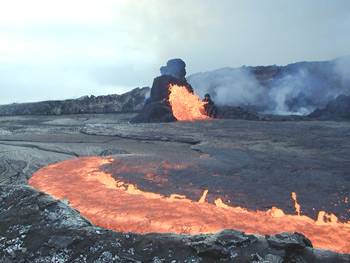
point(129, 101)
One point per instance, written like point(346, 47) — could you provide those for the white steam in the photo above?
point(296, 89)
point(227, 86)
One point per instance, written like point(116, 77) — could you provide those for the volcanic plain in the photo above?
point(255, 165)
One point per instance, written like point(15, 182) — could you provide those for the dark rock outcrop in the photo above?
point(337, 109)
point(11, 170)
point(157, 108)
point(287, 241)
point(239, 113)
point(227, 112)
point(130, 101)
point(155, 111)
point(38, 228)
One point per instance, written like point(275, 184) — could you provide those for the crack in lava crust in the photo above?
point(108, 203)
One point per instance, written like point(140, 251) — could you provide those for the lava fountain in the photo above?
point(121, 206)
point(186, 106)
point(172, 98)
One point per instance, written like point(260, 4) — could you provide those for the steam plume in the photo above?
point(297, 88)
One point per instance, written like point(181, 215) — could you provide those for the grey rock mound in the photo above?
point(130, 101)
point(155, 111)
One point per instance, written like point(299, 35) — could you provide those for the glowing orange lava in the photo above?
point(108, 203)
point(185, 105)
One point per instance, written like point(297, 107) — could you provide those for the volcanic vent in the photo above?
point(172, 97)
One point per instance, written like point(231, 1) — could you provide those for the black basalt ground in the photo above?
point(35, 227)
point(253, 164)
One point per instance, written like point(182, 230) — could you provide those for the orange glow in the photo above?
point(185, 105)
point(296, 205)
point(109, 203)
point(204, 195)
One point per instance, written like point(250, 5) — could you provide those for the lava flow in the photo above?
point(185, 105)
point(110, 203)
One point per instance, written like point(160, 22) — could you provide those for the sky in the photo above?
point(70, 48)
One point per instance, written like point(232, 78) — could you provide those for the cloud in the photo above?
point(20, 12)
point(297, 88)
point(134, 38)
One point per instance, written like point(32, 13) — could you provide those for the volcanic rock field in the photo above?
point(256, 165)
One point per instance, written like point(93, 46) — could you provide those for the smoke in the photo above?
point(295, 89)
point(303, 87)
point(342, 67)
point(297, 93)
point(227, 86)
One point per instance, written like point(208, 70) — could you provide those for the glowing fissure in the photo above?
point(112, 204)
point(185, 105)
point(296, 205)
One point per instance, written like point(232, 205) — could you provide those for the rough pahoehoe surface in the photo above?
point(35, 227)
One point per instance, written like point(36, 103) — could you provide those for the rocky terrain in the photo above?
point(310, 158)
point(130, 101)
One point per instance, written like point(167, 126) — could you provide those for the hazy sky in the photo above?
point(69, 48)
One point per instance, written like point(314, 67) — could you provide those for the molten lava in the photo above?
point(185, 105)
point(116, 205)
